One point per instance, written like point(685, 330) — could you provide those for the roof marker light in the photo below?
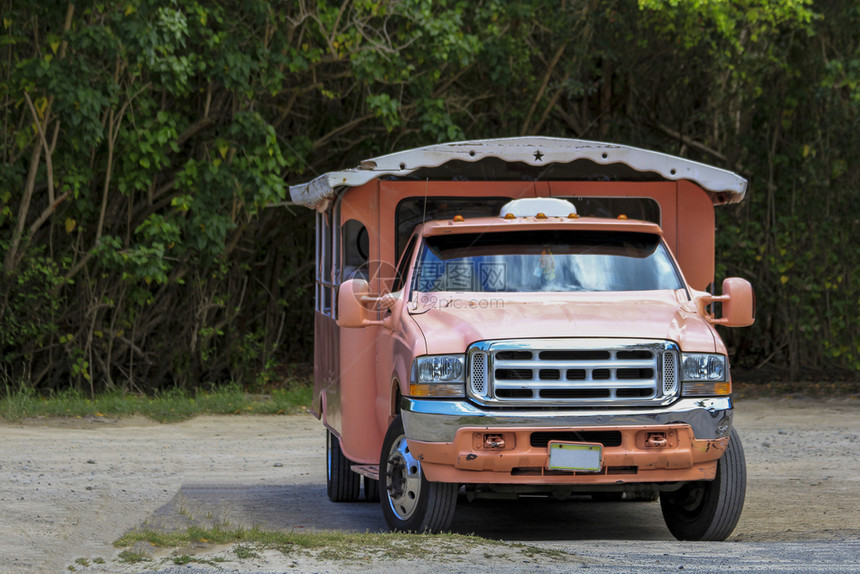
point(510, 216)
point(622, 216)
point(530, 206)
point(540, 215)
point(573, 216)
point(458, 219)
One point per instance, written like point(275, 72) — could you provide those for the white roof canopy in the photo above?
point(606, 160)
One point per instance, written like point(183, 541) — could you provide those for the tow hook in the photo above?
point(656, 440)
point(494, 441)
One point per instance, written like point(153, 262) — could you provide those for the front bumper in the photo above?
point(432, 420)
point(448, 438)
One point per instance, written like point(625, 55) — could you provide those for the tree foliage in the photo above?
point(143, 143)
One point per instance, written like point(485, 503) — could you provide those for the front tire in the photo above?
point(410, 502)
point(343, 484)
point(709, 510)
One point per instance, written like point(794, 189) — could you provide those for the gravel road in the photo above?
point(73, 486)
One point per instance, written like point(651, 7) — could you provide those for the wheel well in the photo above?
point(395, 397)
point(319, 411)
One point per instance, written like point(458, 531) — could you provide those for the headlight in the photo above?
point(703, 367)
point(438, 376)
point(704, 375)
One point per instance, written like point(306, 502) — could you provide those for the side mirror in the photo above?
point(350, 311)
point(738, 302)
point(355, 304)
point(739, 307)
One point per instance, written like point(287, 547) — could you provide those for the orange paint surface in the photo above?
point(466, 460)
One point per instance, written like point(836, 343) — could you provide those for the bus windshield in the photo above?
point(545, 260)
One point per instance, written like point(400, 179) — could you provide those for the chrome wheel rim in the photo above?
point(328, 457)
point(402, 480)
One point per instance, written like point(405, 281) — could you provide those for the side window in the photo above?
point(403, 266)
point(413, 211)
point(643, 208)
point(324, 265)
point(355, 249)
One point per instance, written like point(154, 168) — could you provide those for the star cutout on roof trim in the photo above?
point(538, 155)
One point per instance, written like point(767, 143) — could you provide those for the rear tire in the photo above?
point(709, 510)
point(343, 484)
point(371, 490)
point(410, 502)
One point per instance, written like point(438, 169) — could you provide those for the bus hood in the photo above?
point(450, 322)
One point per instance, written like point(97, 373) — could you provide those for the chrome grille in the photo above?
point(478, 368)
point(581, 372)
point(670, 372)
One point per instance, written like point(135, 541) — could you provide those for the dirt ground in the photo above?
point(71, 487)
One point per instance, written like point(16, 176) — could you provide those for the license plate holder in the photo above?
point(575, 456)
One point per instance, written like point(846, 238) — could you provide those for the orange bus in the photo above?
point(526, 316)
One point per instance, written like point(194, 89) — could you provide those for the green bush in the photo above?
point(144, 145)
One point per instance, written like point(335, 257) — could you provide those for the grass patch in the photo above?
point(244, 552)
point(537, 552)
point(132, 557)
point(185, 559)
point(169, 406)
point(326, 545)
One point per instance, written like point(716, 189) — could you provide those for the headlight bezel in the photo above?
point(705, 375)
point(438, 376)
